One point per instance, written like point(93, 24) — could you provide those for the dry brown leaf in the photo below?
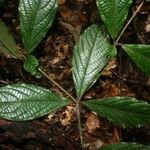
point(110, 89)
point(66, 13)
point(92, 122)
point(147, 26)
point(114, 90)
point(75, 32)
point(97, 144)
point(115, 136)
point(67, 115)
point(112, 64)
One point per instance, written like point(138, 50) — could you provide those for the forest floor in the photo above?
point(59, 130)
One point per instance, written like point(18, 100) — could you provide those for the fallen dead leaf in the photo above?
point(147, 26)
point(94, 145)
point(92, 122)
point(115, 136)
point(112, 64)
point(67, 115)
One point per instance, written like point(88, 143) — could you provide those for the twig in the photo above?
point(51, 80)
point(55, 83)
point(135, 13)
point(73, 99)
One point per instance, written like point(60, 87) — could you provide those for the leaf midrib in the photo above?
point(114, 14)
point(86, 67)
point(33, 22)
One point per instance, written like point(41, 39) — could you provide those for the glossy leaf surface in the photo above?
point(91, 53)
point(140, 54)
point(36, 17)
point(113, 14)
point(125, 111)
point(21, 102)
point(7, 43)
point(126, 146)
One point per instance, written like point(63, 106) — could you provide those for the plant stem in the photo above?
point(55, 83)
point(135, 13)
point(79, 122)
point(77, 102)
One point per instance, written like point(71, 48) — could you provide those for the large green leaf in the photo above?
point(36, 17)
point(114, 14)
point(91, 53)
point(125, 111)
point(140, 54)
point(7, 43)
point(126, 146)
point(25, 102)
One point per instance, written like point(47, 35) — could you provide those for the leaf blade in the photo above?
point(140, 55)
point(126, 146)
point(7, 43)
point(36, 17)
point(113, 14)
point(21, 102)
point(125, 111)
point(91, 53)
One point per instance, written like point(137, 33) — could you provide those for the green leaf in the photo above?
point(31, 65)
point(125, 111)
point(140, 54)
point(126, 146)
point(113, 14)
point(36, 17)
point(7, 43)
point(91, 53)
point(21, 102)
